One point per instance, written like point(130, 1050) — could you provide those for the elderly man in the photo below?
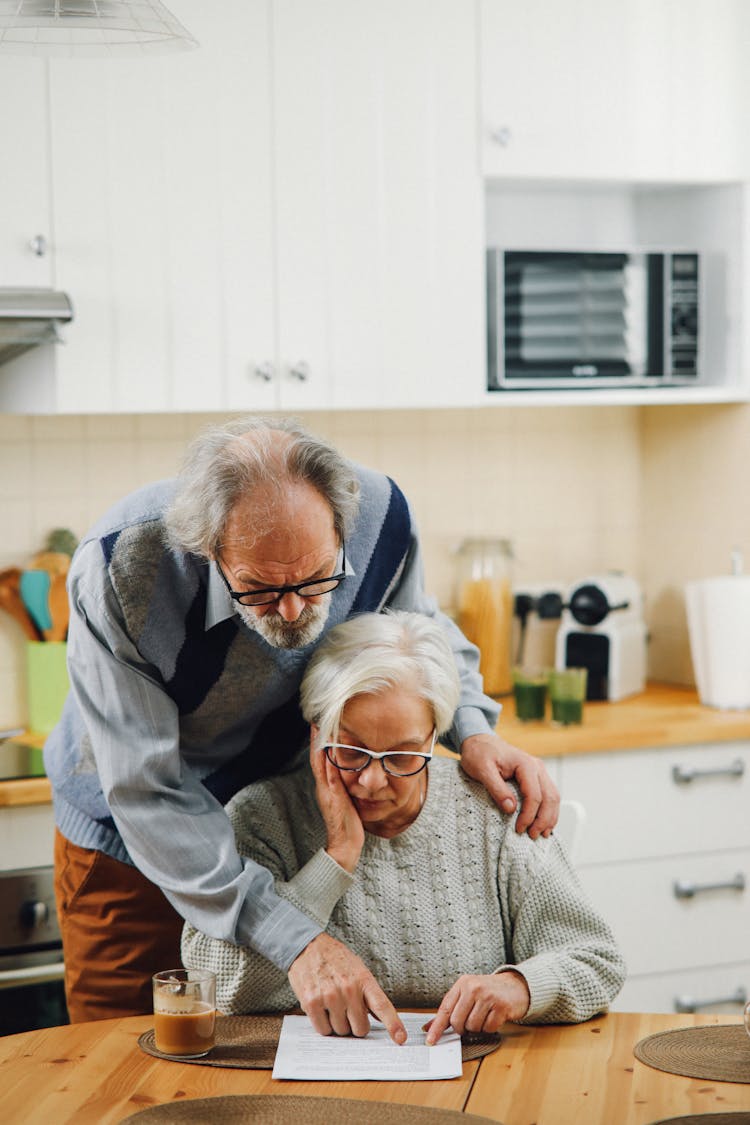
point(195, 606)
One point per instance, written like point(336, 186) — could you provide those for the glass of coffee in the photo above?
point(184, 1012)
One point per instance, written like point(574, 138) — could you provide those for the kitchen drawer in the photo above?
point(637, 810)
point(658, 931)
point(714, 990)
point(26, 836)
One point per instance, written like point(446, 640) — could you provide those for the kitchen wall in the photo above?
point(565, 485)
point(694, 483)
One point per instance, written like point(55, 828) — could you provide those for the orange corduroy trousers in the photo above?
point(117, 928)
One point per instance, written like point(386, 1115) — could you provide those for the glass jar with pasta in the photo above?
point(484, 607)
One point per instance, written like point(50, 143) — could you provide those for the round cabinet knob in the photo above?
point(501, 135)
point(34, 914)
point(264, 371)
point(38, 245)
point(300, 370)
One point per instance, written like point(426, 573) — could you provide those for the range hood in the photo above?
point(29, 317)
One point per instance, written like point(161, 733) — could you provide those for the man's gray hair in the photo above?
point(226, 463)
point(370, 653)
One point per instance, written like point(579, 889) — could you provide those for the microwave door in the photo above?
point(564, 320)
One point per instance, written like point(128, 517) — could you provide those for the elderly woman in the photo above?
point(405, 859)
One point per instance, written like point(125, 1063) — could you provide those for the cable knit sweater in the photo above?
point(459, 891)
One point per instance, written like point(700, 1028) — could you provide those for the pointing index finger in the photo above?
point(439, 1024)
point(381, 1007)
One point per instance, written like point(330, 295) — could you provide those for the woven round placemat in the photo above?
point(250, 1042)
point(246, 1042)
point(719, 1053)
point(290, 1109)
point(740, 1117)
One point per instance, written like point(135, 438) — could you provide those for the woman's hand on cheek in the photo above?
point(345, 832)
point(480, 1004)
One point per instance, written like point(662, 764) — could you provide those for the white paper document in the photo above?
point(304, 1054)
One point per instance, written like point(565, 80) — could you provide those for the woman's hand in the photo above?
point(480, 1003)
point(345, 832)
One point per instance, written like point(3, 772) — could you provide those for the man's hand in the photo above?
point(338, 992)
point(480, 1003)
point(488, 759)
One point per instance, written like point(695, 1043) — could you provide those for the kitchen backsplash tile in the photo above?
point(577, 490)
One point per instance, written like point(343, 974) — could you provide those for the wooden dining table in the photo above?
point(574, 1075)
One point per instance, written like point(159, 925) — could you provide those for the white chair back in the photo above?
point(569, 827)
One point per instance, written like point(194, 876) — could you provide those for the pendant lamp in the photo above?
point(92, 28)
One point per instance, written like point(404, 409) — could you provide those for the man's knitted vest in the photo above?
point(236, 696)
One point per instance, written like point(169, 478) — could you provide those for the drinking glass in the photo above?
point(184, 1012)
point(530, 692)
point(567, 691)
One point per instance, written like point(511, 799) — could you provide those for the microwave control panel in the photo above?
point(682, 308)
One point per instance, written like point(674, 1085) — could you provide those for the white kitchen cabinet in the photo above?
point(554, 88)
point(665, 856)
point(600, 89)
point(710, 989)
point(24, 196)
point(289, 217)
point(379, 203)
point(163, 214)
point(689, 90)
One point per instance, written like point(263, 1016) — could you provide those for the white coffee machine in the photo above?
point(602, 630)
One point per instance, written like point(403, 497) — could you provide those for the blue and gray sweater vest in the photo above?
point(162, 597)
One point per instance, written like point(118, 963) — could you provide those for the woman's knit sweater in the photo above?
point(459, 891)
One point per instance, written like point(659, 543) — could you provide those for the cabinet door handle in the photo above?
point(264, 371)
point(300, 370)
point(501, 135)
point(683, 775)
point(33, 974)
point(689, 890)
point(38, 245)
point(691, 1004)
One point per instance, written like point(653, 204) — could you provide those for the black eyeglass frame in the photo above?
point(372, 755)
point(278, 592)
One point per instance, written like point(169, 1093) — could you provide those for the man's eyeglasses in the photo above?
point(312, 588)
point(398, 763)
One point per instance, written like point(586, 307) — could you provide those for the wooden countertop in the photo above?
point(25, 791)
point(663, 715)
point(95, 1074)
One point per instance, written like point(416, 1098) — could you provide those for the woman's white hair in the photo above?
point(373, 652)
point(227, 462)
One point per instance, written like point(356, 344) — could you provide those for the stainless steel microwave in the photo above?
point(592, 319)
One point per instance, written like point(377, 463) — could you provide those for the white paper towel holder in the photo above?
point(718, 611)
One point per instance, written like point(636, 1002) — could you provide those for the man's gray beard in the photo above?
point(289, 634)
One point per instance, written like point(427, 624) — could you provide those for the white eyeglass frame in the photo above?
point(373, 755)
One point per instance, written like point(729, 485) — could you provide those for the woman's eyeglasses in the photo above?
point(398, 763)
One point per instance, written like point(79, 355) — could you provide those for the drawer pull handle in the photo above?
point(688, 890)
point(682, 775)
point(690, 1004)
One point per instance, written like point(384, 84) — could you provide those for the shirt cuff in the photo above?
point(466, 722)
point(281, 937)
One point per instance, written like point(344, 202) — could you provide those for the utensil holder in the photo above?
point(47, 683)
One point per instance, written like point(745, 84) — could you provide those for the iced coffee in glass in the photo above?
point(184, 1012)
